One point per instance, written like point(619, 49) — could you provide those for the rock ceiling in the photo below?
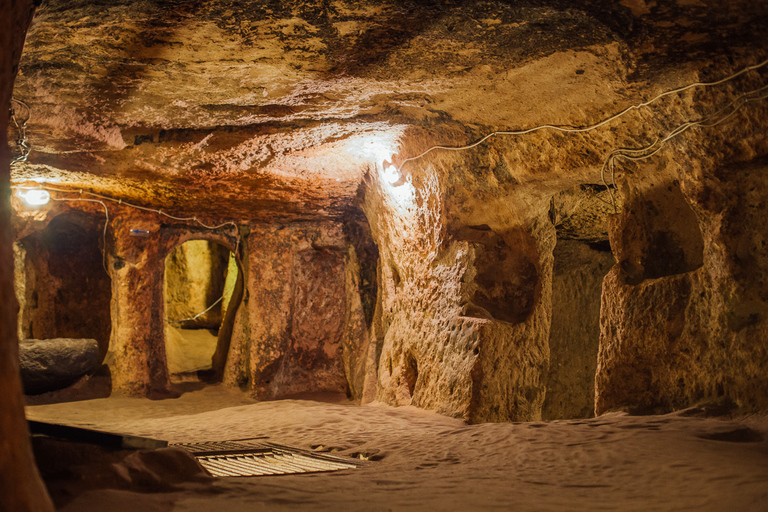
point(265, 109)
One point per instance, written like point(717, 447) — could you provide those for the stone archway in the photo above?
point(137, 354)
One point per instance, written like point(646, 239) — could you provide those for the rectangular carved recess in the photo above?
point(250, 458)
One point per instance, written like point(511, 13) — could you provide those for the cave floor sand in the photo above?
point(430, 462)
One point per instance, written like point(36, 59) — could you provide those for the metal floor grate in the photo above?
point(250, 458)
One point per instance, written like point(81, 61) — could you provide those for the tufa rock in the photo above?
point(48, 365)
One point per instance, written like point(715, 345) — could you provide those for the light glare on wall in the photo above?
point(35, 197)
point(391, 175)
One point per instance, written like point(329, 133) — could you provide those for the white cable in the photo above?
point(193, 318)
point(130, 205)
point(585, 128)
point(106, 224)
point(22, 129)
point(102, 198)
point(710, 121)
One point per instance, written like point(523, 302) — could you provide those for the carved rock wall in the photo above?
point(62, 286)
point(672, 334)
point(137, 346)
point(300, 325)
point(292, 335)
point(464, 311)
point(195, 273)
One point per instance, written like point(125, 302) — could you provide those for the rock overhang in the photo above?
point(261, 111)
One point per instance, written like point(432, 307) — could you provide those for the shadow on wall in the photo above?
point(506, 283)
point(61, 284)
point(574, 335)
point(658, 311)
point(657, 235)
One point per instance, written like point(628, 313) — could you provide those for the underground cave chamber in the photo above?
point(497, 211)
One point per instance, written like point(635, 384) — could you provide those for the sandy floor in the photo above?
point(429, 462)
point(189, 350)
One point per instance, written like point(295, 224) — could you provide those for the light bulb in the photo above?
point(391, 175)
point(35, 197)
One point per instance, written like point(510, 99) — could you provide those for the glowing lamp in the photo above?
point(391, 175)
point(35, 197)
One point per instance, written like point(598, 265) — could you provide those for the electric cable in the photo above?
point(719, 117)
point(193, 318)
point(106, 224)
point(21, 142)
point(102, 198)
point(587, 128)
point(130, 205)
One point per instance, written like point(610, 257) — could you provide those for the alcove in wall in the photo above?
point(64, 291)
point(574, 336)
point(61, 284)
point(582, 257)
point(200, 278)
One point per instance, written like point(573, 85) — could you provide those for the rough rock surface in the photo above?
point(195, 274)
point(277, 110)
point(137, 353)
point(188, 351)
point(20, 485)
point(70, 468)
point(62, 286)
point(290, 332)
point(574, 335)
point(48, 365)
point(673, 334)
point(283, 120)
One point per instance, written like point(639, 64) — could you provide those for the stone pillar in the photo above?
point(465, 301)
point(137, 346)
point(269, 306)
point(21, 489)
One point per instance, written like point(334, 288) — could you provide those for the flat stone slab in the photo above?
point(48, 365)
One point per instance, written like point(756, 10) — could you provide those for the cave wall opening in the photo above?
point(200, 278)
point(463, 308)
point(582, 257)
point(298, 301)
point(575, 331)
point(691, 329)
point(62, 287)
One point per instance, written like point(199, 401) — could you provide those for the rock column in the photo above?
point(137, 346)
point(21, 489)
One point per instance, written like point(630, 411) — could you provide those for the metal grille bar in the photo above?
point(250, 458)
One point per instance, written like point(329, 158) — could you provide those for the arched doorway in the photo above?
point(199, 286)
